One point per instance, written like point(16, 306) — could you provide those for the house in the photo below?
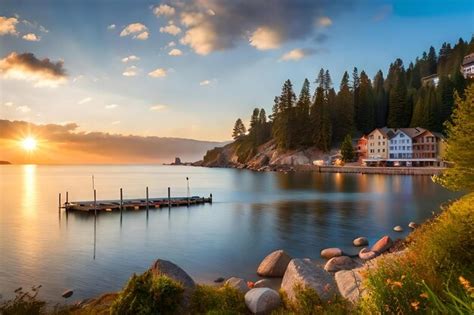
point(377, 144)
point(431, 80)
point(427, 148)
point(400, 148)
point(361, 148)
point(467, 66)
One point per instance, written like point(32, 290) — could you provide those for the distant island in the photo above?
point(5, 163)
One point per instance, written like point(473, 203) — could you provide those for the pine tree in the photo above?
point(460, 148)
point(380, 101)
point(347, 150)
point(445, 91)
point(365, 120)
point(397, 103)
point(281, 121)
point(239, 129)
point(302, 109)
point(343, 123)
point(321, 121)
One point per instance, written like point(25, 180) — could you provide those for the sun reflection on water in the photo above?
point(28, 196)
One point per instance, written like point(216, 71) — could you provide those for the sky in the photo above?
point(189, 69)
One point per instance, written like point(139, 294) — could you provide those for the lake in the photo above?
point(252, 214)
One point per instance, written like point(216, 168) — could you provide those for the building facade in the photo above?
point(467, 67)
point(361, 148)
point(377, 144)
point(400, 146)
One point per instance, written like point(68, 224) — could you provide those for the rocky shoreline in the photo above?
point(340, 276)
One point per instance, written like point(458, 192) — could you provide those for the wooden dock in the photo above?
point(134, 204)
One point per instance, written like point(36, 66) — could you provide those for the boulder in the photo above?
point(398, 228)
point(274, 265)
point(361, 241)
point(329, 253)
point(272, 283)
point(219, 280)
point(382, 245)
point(237, 283)
point(306, 274)
point(262, 300)
point(167, 268)
point(413, 225)
point(349, 284)
point(366, 254)
point(340, 263)
point(67, 294)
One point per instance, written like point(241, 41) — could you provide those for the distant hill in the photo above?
point(5, 163)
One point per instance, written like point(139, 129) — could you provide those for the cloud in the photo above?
point(66, 144)
point(324, 21)
point(84, 100)
point(8, 25)
point(158, 73)
point(216, 25)
point(297, 54)
point(170, 29)
point(116, 122)
point(175, 52)
point(384, 12)
point(29, 68)
point(24, 109)
point(43, 29)
point(130, 71)
point(264, 38)
point(8, 104)
point(164, 9)
point(171, 44)
point(130, 58)
point(138, 30)
point(111, 27)
point(111, 106)
point(31, 37)
point(158, 107)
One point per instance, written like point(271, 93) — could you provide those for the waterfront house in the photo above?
point(467, 67)
point(377, 144)
point(361, 148)
point(400, 148)
point(427, 148)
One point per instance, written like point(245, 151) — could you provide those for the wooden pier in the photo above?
point(134, 204)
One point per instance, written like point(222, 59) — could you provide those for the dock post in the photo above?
point(210, 197)
point(59, 203)
point(169, 197)
point(95, 203)
point(147, 207)
point(121, 204)
point(67, 198)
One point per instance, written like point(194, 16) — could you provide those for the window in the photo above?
point(402, 135)
point(378, 150)
point(383, 150)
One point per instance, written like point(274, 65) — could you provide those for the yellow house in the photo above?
point(377, 143)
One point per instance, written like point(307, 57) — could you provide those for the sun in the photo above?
point(29, 144)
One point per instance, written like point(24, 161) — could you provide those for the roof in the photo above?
point(383, 131)
point(413, 132)
point(468, 59)
point(430, 77)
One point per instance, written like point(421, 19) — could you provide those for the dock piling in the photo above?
point(147, 203)
point(95, 202)
point(169, 197)
point(59, 204)
point(67, 198)
point(121, 203)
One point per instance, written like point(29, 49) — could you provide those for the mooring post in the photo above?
point(169, 197)
point(95, 202)
point(147, 207)
point(59, 203)
point(210, 197)
point(121, 204)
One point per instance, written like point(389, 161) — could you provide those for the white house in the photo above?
point(467, 67)
point(400, 146)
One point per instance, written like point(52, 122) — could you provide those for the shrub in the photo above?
point(308, 302)
point(148, 294)
point(24, 303)
point(217, 300)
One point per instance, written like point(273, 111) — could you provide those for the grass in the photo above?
point(217, 300)
point(427, 277)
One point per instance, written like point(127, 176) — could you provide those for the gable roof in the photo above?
point(468, 59)
point(413, 132)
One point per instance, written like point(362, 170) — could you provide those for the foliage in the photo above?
point(347, 150)
point(308, 302)
point(460, 146)
point(422, 278)
point(239, 129)
point(217, 300)
point(24, 303)
point(148, 294)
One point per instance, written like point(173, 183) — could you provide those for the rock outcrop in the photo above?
point(306, 274)
point(274, 265)
point(167, 268)
point(349, 284)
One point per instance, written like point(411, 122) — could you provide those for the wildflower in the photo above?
point(415, 305)
point(466, 284)
point(424, 295)
point(396, 284)
point(250, 284)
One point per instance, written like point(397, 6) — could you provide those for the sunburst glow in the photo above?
point(29, 144)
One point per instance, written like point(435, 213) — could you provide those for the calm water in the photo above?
point(252, 214)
